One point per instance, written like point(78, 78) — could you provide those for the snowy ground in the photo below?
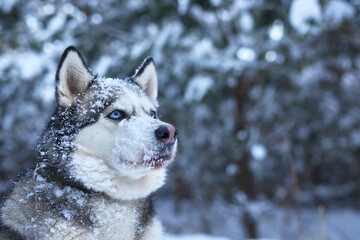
point(222, 222)
point(193, 237)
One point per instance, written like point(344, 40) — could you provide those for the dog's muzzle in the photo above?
point(166, 134)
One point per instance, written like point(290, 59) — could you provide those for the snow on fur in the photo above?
point(95, 173)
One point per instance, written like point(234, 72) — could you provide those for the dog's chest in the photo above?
point(115, 220)
point(112, 220)
point(53, 212)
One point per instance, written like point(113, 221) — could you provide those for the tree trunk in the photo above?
point(245, 177)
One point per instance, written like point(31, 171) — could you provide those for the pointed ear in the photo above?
point(72, 77)
point(146, 78)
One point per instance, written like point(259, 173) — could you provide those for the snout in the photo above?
point(166, 134)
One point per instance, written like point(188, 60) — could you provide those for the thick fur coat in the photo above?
point(103, 152)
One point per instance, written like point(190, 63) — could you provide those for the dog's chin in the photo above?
point(149, 160)
point(159, 159)
point(159, 162)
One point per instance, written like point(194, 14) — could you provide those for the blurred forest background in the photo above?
point(265, 95)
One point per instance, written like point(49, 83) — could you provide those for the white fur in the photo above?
point(116, 221)
point(155, 230)
point(95, 173)
point(111, 156)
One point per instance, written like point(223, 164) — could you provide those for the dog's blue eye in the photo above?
point(153, 114)
point(117, 115)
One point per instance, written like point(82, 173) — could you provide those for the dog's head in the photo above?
point(116, 142)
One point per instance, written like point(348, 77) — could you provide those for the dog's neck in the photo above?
point(93, 173)
point(51, 173)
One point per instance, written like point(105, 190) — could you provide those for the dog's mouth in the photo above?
point(161, 157)
point(160, 161)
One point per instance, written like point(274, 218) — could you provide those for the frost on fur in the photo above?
point(94, 173)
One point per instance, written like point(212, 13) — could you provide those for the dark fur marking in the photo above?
point(57, 176)
point(146, 214)
point(143, 66)
point(56, 197)
point(7, 233)
point(42, 197)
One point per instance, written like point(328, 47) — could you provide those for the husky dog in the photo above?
point(101, 155)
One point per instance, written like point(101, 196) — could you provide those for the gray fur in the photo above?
point(50, 196)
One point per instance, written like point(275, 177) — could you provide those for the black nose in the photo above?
point(166, 134)
point(162, 132)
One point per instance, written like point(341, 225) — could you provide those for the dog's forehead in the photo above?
point(120, 93)
point(129, 100)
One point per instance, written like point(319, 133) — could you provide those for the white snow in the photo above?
point(139, 49)
point(197, 88)
point(270, 56)
point(53, 26)
point(203, 49)
point(246, 54)
point(59, 192)
point(192, 237)
point(276, 31)
point(301, 11)
point(48, 9)
point(246, 21)
point(6, 6)
point(103, 65)
point(258, 152)
point(183, 6)
point(28, 63)
point(216, 2)
point(337, 10)
point(96, 19)
point(274, 222)
point(232, 169)
point(242, 135)
point(68, 8)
